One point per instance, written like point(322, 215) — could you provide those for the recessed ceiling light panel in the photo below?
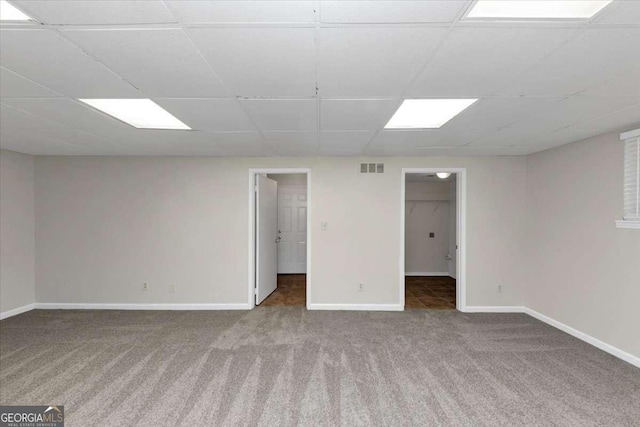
point(9, 12)
point(427, 113)
point(536, 9)
point(139, 113)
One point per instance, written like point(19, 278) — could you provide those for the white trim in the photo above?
point(428, 273)
point(16, 311)
point(117, 306)
point(357, 307)
point(631, 134)
point(494, 309)
point(621, 354)
point(461, 232)
point(627, 224)
point(252, 241)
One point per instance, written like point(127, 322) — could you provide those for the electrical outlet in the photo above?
point(360, 287)
point(145, 286)
point(172, 289)
point(499, 289)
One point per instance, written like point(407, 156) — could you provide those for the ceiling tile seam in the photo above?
point(46, 138)
point(316, 69)
point(621, 74)
point(63, 37)
point(576, 34)
point(43, 24)
point(577, 123)
point(428, 60)
point(108, 142)
point(45, 119)
point(605, 11)
point(95, 59)
point(249, 24)
point(38, 20)
point(34, 82)
point(215, 74)
point(593, 119)
point(97, 27)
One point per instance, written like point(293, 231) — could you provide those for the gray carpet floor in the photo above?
point(285, 366)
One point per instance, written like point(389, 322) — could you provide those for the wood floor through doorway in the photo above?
point(291, 291)
point(430, 292)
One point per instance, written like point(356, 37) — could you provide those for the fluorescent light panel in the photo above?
point(537, 9)
point(427, 113)
point(139, 113)
point(9, 12)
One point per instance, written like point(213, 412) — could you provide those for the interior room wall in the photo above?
point(184, 221)
point(583, 271)
point(453, 235)
point(17, 247)
point(289, 179)
point(427, 211)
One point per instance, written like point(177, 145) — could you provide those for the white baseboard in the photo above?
point(621, 354)
point(16, 311)
point(428, 273)
point(356, 307)
point(493, 309)
point(82, 306)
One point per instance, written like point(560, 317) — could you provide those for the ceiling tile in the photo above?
point(13, 85)
point(626, 118)
point(419, 138)
point(356, 114)
point(340, 152)
point(443, 152)
point(360, 12)
point(198, 11)
point(100, 12)
point(345, 140)
point(571, 111)
point(369, 62)
point(161, 62)
point(261, 62)
point(597, 55)
point(478, 61)
point(625, 84)
point(44, 57)
point(71, 113)
point(292, 143)
point(208, 114)
point(38, 145)
point(490, 114)
point(241, 144)
point(620, 12)
point(19, 126)
point(282, 114)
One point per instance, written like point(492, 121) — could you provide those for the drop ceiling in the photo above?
point(311, 78)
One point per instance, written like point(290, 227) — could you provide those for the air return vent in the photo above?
point(371, 167)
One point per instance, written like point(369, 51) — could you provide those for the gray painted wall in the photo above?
point(17, 246)
point(582, 270)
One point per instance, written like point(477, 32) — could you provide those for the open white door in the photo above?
point(266, 237)
point(292, 220)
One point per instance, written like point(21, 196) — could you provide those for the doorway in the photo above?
point(280, 236)
point(432, 249)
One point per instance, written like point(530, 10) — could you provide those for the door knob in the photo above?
point(278, 239)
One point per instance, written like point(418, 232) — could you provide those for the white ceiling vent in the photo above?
point(371, 167)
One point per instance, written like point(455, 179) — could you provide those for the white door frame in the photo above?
point(461, 232)
point(252, 229)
